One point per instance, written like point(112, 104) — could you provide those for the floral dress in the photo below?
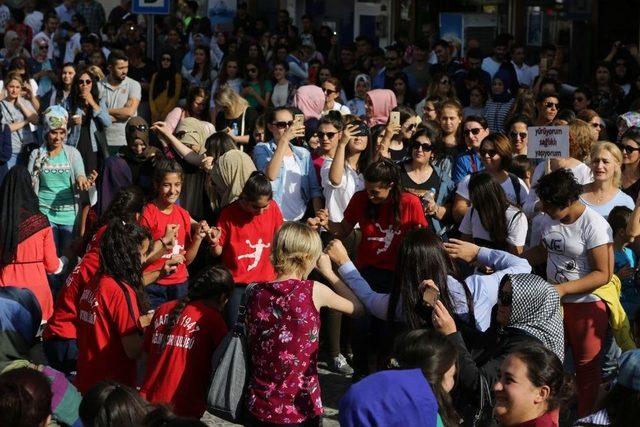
point(283, 326)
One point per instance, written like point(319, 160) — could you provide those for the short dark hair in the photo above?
point(26, 397)
point(559, 188)
point(584, 90)
point(115, 56)
point(619, 218)
point(333, 118)
point(445, 44)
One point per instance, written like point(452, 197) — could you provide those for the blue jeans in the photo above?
point(233, 305)
point(62, 236)
point(159, 294)
point(62, 354)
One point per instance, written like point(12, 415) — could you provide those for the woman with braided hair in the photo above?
point(180, 343)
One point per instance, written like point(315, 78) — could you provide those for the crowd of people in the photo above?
point(373, 209)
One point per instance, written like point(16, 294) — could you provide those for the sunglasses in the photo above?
point(412, 127)
point(597, 125)
point(85, 82)
point(550, 105)
point(522, 135)
point(473, 131)
point(283, 125)
point(426, 147)
point(505, 298)
point(490, 153)
point(627, 148)
point(329, 135)
point(329, 91)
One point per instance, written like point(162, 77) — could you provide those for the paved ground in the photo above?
point(333, 387)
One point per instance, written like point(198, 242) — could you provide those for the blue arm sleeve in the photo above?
point(374, 302)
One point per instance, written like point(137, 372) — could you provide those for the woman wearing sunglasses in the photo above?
point(496, 154)
point(331, 88)
point(630, 147)
point(88, 117)
point(165, 88)
point(547, 105)
point(518, 132)
point(395, 144)
point(256, 88)
point(598, 128)
point(528, 315)
point(418, 176)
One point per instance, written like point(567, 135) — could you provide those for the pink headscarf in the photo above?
point(382, 102)
point(309, 99)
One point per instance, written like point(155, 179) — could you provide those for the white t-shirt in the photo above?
point(280, 95)
point(337, 197)
point(490, 66)
point(343, 109)
point(293, 206)
point(567, 246)
point(516, 223)
point(507, 186)
point(581, 172)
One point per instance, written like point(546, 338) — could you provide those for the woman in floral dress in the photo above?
point(283, 324)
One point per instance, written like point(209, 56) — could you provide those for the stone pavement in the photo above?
point(333, 386)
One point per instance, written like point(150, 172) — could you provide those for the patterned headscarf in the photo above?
point(627, 121)
point(535, 309)
point(55, 117)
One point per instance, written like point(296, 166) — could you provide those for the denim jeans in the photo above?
point(233, 305)
point(62, 236)
point(159, 294)
point(62, 354)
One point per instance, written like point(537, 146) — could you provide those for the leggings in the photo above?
point(585, 328)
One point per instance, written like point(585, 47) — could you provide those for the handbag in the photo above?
point(230, 367)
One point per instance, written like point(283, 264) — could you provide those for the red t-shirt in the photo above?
point(179, 374)
point(63, 322)
point(104, 318)
point(247, 240)
point(157, 222)
point(381, 237)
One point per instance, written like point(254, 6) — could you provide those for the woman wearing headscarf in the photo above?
point(310, 100)
point(27, 247)
point(497, 108)
point(59, 179)
point(165, 88)
point(19, 325)
point(362, 85)
point(378, 105)
point(528, 312)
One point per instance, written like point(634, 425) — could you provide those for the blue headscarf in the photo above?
point(507, 81)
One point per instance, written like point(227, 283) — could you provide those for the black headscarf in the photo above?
point(19, 212)
point(165, 78)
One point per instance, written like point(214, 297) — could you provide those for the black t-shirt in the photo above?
point(399, 155)
point(408, 184)
point(250, 117)
point(633, 190)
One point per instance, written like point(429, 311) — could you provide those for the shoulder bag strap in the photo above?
point(242, 310)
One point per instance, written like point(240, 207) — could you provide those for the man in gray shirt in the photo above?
point(122, 96)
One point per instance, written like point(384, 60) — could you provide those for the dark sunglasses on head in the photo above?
point(283, 125)
point(426, 147)
point(627, 148)
point(490, 153)
point(505, 298)
point(329, 135)
point(473, 131)
point(522, 135)
point(550, 105)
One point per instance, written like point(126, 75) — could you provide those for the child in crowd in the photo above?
point(625, 260)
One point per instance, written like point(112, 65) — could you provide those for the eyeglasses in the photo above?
point(522, 135)
point(550, 105)
point(488, 153)
point(474, 131)
point(505, 298)
point(329, 91)
point(283, 125)
point(329, 135)
point(426, 147)
point(627, 148)
point(85, 82)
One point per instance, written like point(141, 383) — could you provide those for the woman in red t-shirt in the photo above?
point(109, 325)
point(385, 214)
point(59, 337)
point(170, 227)
point(244, 236)
point(180, 343)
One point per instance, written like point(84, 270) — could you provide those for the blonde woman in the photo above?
point(235, 116)
point(604, 193)
point(283, 324)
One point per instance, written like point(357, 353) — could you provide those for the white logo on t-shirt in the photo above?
point(389, 234)
point(256, 254)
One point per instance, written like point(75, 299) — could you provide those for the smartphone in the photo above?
point(430, 296)
point(298, 120)
point(395, 117)
point(363, 130)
